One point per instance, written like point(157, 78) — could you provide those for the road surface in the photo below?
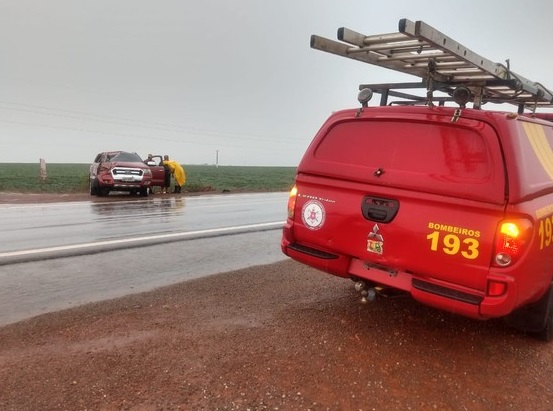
point(35, 231)
point(60, 255)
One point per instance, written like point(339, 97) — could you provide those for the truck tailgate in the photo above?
point(444, 238)
point(402, 190)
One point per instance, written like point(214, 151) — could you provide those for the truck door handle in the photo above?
point(382, 210)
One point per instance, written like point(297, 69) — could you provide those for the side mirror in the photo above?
point(151, 163)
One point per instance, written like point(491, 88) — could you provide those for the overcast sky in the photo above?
point(193, 78)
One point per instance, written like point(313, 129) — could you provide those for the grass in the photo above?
point(73, 178)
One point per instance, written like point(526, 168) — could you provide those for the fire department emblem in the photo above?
point(313, 215)
point(375, 241)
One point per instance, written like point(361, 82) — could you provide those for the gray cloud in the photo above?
point(189, 78)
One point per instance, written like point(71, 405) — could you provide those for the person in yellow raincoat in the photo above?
point(177, 171)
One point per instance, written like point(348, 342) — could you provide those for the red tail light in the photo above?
point(511, 239)
point(292, 202)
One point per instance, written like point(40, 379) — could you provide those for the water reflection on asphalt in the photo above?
point(131, 209)
point(62, 224)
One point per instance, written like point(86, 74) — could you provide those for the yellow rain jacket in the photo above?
point(177, 171)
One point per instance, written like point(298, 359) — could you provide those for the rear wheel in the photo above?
point(535, 318)
point(546, 333)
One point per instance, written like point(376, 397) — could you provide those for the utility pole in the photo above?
point(216, 158)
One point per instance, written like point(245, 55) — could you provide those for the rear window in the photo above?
point(437, 150)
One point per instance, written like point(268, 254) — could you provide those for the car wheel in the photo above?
point(94, 187)
point(103, 191)
point(546, 334)
point(535, 318)
point(144, 191)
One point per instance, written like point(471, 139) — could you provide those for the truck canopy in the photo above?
point(415, 148)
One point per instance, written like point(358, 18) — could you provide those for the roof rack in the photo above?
point(442, 63)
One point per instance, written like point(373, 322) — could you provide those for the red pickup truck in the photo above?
point(124, 171)
point(452, 205)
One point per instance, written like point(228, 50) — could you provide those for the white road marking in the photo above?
point(183, 234)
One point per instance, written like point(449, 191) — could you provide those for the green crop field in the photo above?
point(73, 178)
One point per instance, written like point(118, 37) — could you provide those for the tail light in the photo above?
point(292, 202)
point(511, 240)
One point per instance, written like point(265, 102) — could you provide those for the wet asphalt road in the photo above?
point(32, 231)
point(55, 256)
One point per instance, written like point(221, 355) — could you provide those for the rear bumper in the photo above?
point(442, 295)
point(331, 263)
point(439, 294)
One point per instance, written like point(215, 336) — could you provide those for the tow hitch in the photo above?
point(369, 293)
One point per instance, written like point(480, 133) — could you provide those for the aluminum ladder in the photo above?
point(442, 63)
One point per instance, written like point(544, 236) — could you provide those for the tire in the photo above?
point(103, 191)
point(535, 318)
point(144, 192)
point(94, 187)
point(546, 333)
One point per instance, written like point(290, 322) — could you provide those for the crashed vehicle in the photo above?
point(122, 171)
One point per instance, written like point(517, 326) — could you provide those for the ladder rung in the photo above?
point(412, 56)
point(403, 46)
point(465, 72)
point(441, 65)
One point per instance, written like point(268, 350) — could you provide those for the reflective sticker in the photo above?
point(544, 211)
point(540, 145)
point(313, 215)
point(375, 242)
